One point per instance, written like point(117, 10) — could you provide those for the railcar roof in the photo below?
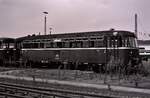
point(7, 40)
point(77, 34)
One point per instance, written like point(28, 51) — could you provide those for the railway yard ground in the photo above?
point(78, 77)
point(83, 80)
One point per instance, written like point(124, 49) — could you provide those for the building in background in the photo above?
point(144, 49)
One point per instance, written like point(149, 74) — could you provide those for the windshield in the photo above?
point(121, 42)
point(129, 42)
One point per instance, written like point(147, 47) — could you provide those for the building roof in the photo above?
point(7, 40)
point(144, 42)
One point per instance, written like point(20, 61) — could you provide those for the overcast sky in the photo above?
point(24, 17)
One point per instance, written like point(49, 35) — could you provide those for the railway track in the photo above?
point(34, 88)
point(8, 90)
point(30, 89)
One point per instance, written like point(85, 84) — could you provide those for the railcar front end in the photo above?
point(7, 51)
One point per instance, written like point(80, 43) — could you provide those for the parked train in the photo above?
point(6, 50)
point(95, 50)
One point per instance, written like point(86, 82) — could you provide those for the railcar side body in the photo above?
point(83, 50)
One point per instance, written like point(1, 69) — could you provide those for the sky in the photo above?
point(25, 17)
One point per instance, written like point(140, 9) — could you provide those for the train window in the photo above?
point(48, 45)
point(23, 45)
point(123, 43)
point(65, 44)
point(72, 45)
point(85, 44)
point(136, 43)
point(59, 44)
point(4, 45)
point(91, 43)
point(107, 42)
point(11, 45)
point(34, 45)
point(114, 42)
point(54, 45)
point(119, 43)
point(1, 45)
point(132, 42)
point(110, 43)
point(129, 42)
point(41, 45)
point(99, 44)
point(27, 45)
point(79, 44)
point(95, 43)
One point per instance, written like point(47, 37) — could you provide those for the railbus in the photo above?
point(93, 50)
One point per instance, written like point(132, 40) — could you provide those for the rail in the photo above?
point(20, 91)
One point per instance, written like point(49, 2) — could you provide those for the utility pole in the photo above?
point(136, 32)
point(45, 22)
point(50, 31)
